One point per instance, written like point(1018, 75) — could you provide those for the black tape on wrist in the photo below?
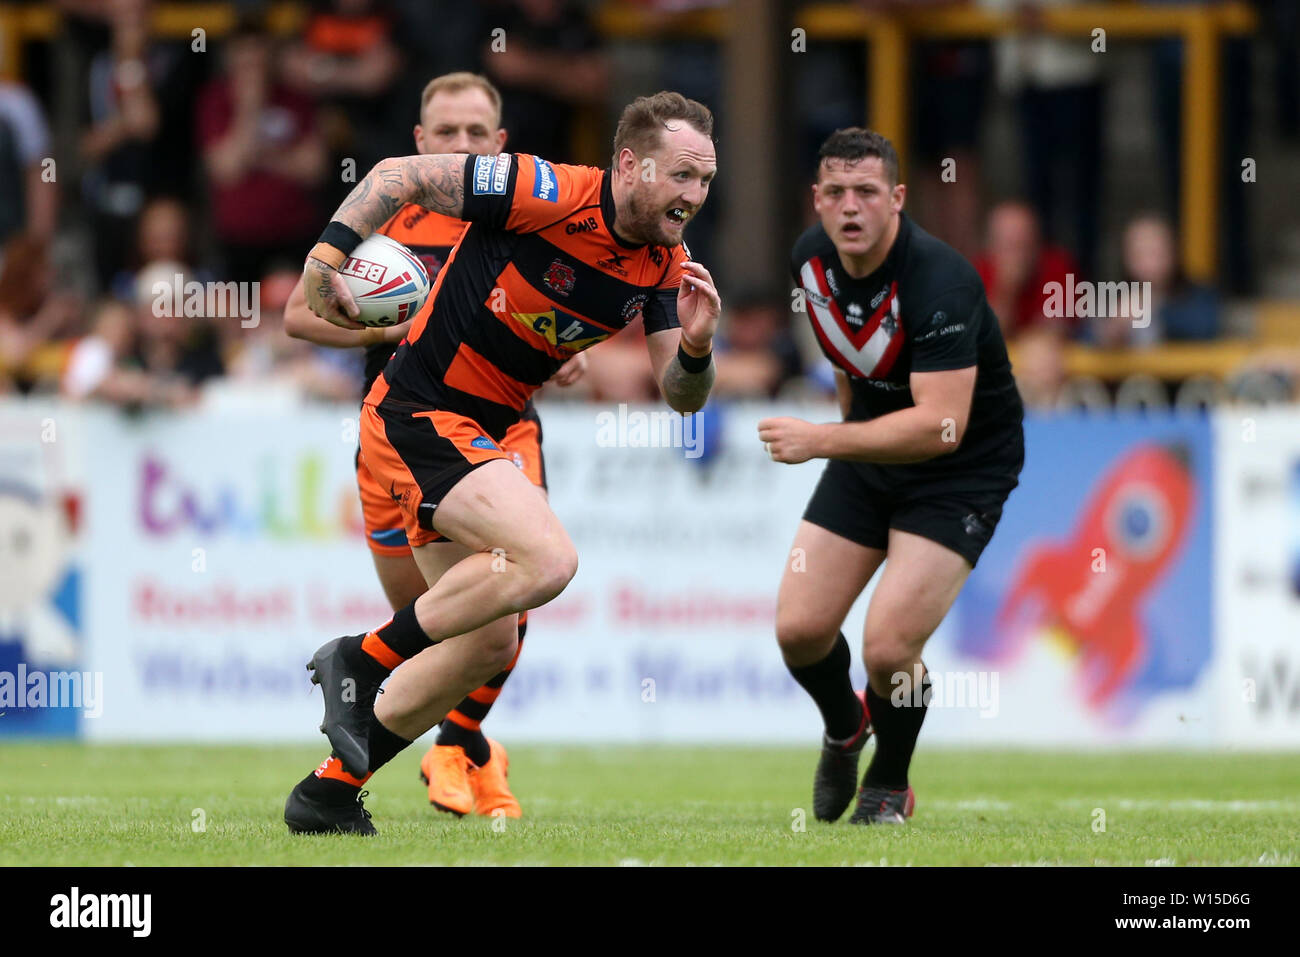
point(342, 237)
point(693, 364)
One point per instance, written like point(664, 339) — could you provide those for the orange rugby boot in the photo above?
point(446, 771)
point(491, 792)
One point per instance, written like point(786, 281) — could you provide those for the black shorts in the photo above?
point(960, 510)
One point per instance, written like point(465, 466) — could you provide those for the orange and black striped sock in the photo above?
point(462, 726)
point(380, 651)
point(331, 781)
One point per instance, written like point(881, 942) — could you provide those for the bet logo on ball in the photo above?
point(387, 281)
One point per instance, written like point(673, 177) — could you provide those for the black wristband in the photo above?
point(693, 364)
point(341, 236)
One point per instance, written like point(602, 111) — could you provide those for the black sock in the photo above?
point(384, 745)
point(392, 643)
point(328, 790)
point(831, 688)
point(896, 730)
point(475, 743)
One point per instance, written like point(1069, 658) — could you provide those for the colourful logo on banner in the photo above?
point(1094, 589)
point(285, 500)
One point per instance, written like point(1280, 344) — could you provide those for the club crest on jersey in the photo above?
point(559, 277)
point(632, 308)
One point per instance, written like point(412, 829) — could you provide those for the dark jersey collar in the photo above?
point(608, 211)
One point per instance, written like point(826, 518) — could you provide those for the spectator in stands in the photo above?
point(547, 65)
point(1017, 267)
point(105, 366)
point(162, 235)
point(34, 316)
point(1058, 85)
point(1178, 310)
point(117, 149)
point(950, 80)
point(347, 61)
point(172, 346)
point(1234, 125)
point(755, 352)
point(1039, 367)
point(28, 203)
point(264, 158)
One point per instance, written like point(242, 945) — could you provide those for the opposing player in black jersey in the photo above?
point(930, 447)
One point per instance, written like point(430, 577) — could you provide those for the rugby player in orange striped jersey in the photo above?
point(464, 770)
point(556, 259)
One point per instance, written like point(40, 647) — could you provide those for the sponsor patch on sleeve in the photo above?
point(545, 185)
point(490, 175)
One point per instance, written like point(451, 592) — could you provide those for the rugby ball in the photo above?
point(387, 281)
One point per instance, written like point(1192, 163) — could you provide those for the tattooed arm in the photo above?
point(685, 392)
point(435, 181)
point(698, 308)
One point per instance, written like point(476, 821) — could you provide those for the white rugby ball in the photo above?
point(387, 281)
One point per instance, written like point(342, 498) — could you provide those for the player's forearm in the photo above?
point(301, 323)
point(683, 390)
point(436, 182)
point(898, 438)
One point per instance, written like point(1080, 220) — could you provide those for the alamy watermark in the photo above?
point(208, 300)
point(1098, 300)
point(945, 689)
point(660, 429)
point(52, 689)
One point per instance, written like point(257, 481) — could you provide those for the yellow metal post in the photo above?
point(1200, 190)
point(887, 67)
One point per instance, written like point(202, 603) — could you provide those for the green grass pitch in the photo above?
point(71, 804)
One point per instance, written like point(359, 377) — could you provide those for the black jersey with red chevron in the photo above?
point(922, 310)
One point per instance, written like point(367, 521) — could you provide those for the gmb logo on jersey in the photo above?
point(545, 185)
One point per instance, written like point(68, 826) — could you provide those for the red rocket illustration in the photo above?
point(1091, 586)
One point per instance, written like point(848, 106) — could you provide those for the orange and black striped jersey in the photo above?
point(431, 236)
point(538, 276)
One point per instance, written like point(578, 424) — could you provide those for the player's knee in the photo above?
point(889, 654)
point(549, 573)
point(801, 638)
point(498, 650)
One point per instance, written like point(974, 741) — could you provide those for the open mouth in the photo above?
point(852, 230)
point(677, 216)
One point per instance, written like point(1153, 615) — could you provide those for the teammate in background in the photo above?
point(930, 447)
point(465, 770)
point(556, 259)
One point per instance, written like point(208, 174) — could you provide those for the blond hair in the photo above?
point(455, 83)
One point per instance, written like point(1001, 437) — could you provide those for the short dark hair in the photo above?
point(854, 144)
point(641, 126)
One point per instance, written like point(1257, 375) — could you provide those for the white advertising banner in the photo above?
point(1258, 574)
point(217, 549)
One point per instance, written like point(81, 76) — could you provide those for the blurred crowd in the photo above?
point(221, 167)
